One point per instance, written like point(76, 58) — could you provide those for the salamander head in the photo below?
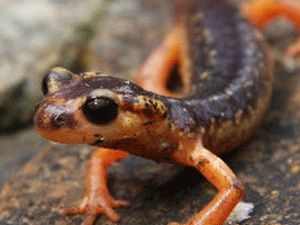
point(95, 109)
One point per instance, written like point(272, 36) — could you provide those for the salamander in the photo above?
point(226, 75)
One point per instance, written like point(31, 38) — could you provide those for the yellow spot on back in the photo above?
point(204, 75)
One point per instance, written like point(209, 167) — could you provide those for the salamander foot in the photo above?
point(93, 207)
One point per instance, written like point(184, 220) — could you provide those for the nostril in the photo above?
point(59, 120)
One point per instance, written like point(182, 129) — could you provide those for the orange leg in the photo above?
point(231, 190)
point(263, 12)
point(97, 198)
point(154, 73)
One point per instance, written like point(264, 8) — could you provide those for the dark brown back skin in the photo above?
point(230, 77)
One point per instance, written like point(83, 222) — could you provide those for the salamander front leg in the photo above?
point(97, 198)
point(231, 190)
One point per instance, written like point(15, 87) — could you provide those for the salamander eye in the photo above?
point(56, 78)
point(45, 89)
point(100, 110)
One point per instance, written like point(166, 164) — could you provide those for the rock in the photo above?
point(34, 37)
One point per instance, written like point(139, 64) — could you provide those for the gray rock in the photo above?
point(35, 36)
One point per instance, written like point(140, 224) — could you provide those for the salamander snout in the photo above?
point(52, 118)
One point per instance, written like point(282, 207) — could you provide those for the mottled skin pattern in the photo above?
point(230, 71)
point(226, 75)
